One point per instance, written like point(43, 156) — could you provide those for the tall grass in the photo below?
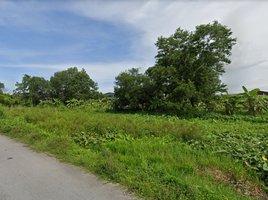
point(149, 155)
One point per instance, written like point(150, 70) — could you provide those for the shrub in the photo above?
point(2, 113)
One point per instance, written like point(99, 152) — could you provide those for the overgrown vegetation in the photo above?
point(155, 156)
point(167, 134)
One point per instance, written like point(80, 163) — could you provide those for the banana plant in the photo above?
point(57, 102)
point(73, 102)
point(90, 103)
point(252, 101)
point(230, 102)
point(261, 104)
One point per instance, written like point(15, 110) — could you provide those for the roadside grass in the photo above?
point(150, 155)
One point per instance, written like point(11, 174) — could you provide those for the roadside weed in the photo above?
point(154, 156)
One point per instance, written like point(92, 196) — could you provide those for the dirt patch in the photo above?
point(245, 188)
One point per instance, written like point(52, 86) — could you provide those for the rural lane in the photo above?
point(27, 175)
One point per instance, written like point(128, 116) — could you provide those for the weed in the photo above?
point(251, 150)
point(2, 113)
point(152, 155)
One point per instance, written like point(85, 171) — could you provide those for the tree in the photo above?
point(2, 86)
point(32, 90)
point(81, 86)
point(71, 83)
point(59, 83)
point(132, 89)
point(189, 64)
point(39, 90)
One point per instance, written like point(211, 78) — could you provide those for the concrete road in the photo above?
point(27, 175)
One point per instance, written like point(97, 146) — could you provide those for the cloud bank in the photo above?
point(108, 37)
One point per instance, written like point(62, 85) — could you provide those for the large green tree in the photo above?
point(132, 89)
point(71, 83)
point(2, 86)
point(32, 90)
point(189, 64)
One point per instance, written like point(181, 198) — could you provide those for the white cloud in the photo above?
point(26, 53)
point(247, 20)
point(17, 54)
point(151, 19)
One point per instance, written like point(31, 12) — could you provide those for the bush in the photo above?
point(2, 112)
point(45, 104)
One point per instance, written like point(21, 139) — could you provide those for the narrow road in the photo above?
point(27, 175)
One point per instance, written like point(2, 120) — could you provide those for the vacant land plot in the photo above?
point(157, 157)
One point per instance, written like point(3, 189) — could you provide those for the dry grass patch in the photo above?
point(246, 188)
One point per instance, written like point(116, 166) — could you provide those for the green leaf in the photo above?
point(254, 91)
point(245, 89)
point(247, 163)
point(265, 167)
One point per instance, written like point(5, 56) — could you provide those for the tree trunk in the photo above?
point(192, 103)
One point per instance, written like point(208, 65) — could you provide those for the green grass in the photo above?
point(153, 156)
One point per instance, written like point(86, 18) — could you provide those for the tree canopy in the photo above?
point(32, 90)
point(188, 68)
point(2, 86)
point(71, 83)
point(132, 89)
point(64, 85)
point(189, 64)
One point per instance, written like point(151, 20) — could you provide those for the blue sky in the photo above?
point(104, 37)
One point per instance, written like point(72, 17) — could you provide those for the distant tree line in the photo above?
point(63, 85)
point(186, 74)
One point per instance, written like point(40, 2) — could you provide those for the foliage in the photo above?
point(2, 86)
point(253, 102)
point(158, 104)
point(132, 89)
point(188, 153)
point(72, 84)
point(73, 102)
point(189, 64)
point(250, 149)
point(2, 112)
point(8, 100)
point(249, 100)
point(230, 103)
point(56, 102)
point(31, 90)
point(97, 95)
point(156, 161)
point(84, 139)
point(45, 104)
point(65, 85)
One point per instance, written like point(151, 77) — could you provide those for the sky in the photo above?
point(107, 37)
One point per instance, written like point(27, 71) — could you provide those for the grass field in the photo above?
point(154, 156)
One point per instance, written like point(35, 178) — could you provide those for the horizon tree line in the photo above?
point(188, 67)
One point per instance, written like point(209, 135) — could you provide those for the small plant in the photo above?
point(45, 104)
point(251, 150)
point(86, 138)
